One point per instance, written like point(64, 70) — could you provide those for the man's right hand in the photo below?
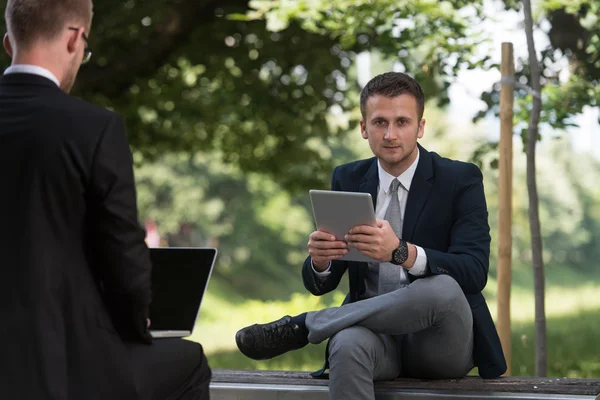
point(323, 248)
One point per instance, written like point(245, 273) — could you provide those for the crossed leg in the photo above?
point(423, 330)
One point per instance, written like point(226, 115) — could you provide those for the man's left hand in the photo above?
point(377, 242)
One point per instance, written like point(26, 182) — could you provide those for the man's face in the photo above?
point(392, 127)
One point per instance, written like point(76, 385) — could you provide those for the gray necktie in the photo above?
point(393, 214)
point(390, 275)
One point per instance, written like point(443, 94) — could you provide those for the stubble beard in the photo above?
point(400, 159)
point(394, 161)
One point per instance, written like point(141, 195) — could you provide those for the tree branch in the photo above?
point(182, 18)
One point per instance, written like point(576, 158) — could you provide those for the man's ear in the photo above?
point(363, 129)
point(74, 37)
point(7, 45)
point(421, 131)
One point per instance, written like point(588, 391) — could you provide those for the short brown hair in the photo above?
point(30, 20)
point(392, 84)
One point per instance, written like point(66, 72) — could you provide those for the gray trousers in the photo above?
point(423, 330)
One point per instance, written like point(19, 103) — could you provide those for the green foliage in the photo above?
point(260, 230)
point(256, 81)
point(574, 36)
point(569, 198)
point(186, 78)
point(432, 40)
point(567, 207)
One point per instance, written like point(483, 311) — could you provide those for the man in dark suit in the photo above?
point(418, 310)
point(75, 271)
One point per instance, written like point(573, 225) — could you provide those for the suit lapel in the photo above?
point(370, 181)
point(417, 196)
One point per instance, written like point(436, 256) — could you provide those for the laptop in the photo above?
point(180, 277)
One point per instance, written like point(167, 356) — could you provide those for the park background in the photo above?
point(236, 108)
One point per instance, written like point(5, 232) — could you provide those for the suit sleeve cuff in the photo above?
point(420, 266)
point(321, 274)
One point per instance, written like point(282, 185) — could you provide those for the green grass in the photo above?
point(220, 320)
point(573, 350)
point(559, 302)
point(573, 326)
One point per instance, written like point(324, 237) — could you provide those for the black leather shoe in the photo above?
point(264, 341)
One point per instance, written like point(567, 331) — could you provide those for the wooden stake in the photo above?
point(507, 70)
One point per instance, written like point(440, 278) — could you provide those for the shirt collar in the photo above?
point(385, 178)
point(31, 69)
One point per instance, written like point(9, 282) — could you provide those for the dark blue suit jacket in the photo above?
point(75, 284)
point(446, 214)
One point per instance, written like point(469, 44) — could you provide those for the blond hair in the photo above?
point(30, 20)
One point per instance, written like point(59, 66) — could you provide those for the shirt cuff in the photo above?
point(321, 274)
point(420, 266)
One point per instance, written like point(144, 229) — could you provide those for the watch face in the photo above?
point(400, 255)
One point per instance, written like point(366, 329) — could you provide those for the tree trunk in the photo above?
point(505, 195)
point(534, 219)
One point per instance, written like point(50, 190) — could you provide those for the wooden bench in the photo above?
point(283, 385)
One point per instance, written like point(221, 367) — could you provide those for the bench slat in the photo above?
point(565, 386)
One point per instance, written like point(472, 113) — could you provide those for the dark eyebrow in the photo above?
point(397, 118)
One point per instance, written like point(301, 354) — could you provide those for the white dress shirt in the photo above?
point(31, 69)
point(383, 201)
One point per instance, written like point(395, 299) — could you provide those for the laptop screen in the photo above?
point(179, 280)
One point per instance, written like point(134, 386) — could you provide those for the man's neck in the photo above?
point(38, 61)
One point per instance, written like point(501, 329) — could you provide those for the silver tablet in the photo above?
point(338, 212)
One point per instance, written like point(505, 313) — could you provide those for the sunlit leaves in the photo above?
point(574, 37)
point(258, 81)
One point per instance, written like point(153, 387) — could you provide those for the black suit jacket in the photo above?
point(74, 268)
point(446, 214)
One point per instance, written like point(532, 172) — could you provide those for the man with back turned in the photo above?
point(74, 269)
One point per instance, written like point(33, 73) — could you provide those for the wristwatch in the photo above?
point(400, 254)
